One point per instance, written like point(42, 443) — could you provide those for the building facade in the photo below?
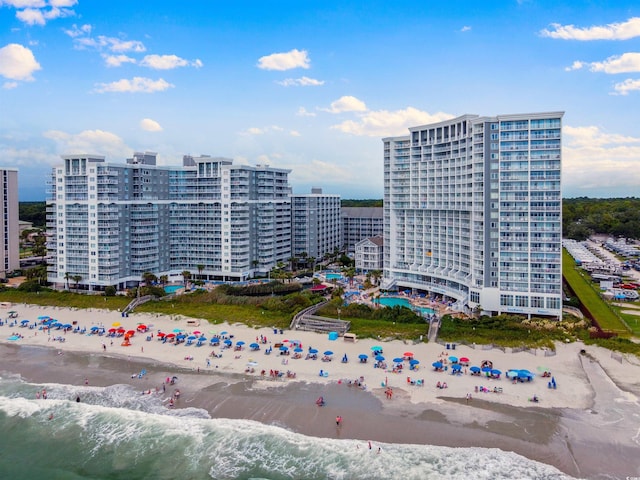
point(359, 223)
point(369, 254)
point(9, 226)
point(473, 212)
point(316, 224)
point(111, 223)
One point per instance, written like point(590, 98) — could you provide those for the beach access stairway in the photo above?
point(306, 320)
point(137, 301)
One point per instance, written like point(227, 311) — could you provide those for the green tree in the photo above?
point(186, 275)
point(76, 280)
point(200, 268)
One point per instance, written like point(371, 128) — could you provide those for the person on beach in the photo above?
point(338, 420)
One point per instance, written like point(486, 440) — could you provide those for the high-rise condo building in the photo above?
point(9, 226)
point(110, 223)
point(473, 212)
point(316, 224)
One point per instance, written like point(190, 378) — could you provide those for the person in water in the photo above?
point(78, 399)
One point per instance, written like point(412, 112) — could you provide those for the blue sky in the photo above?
point(313, 86)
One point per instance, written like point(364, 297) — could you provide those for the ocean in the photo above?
point(116, 433)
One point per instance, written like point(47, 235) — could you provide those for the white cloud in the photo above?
point(466, 28)
point(167, 62)
point(255, 131)
point(384, 123)
point(117, 60)
point(295, 133)
point(577, 65)
point(109, 43)
point(33, 12)
point(302, 112)
point(78, 31)
point(261, 130)
point(23, 3)
point(346, 103)
point(300, 82)
point(625, 63)
point(629, 85)
point(17, 62)
point(90, 141)
point(150, 125)
point(9, 85)
point(611, 31)
point(284, 61)
point(135, 85)
point(600, 161)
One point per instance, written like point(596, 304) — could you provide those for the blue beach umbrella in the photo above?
point(376, 349)
point(254, 345)
point(284, 348)
point(298, 349)
point(94, 328)
point(457, 367)
point(66, 325)
point(191, 337)
point(328, 353)
point(495, 371)
point(176, 330)
point(415, 362)
point(24, 321)
point(475, 369)
point(363, 356)
point(380, 358)
point(398, 360)
point(228, 342)
point(436, 364)
point(202, 339)
point(453, 359)
point(223, 333)
point(512, 373)
point(313, 351)
point(487, 369)
point(240, 343)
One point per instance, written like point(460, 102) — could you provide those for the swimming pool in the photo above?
point(404, 302)
point(332, 276)
point(172, 288)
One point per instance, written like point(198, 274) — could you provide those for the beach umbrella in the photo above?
point(181, 336)
point(363, 356)
point(228, 342)
point(197, 332)
point(191, 337)
point(202, 339)
point(376, 349)
point(116, 324)
point(215, 341)
point(379, 358)
point(240, 343)
point(24, 321)
point(512, 373)
point(525, 374)
point(398, 360)
point(177, 330)
point(131, 332)
point(475, 369)
point(313, 351)
point(113, 330)
point(496, 372)
point(66, 325)
point(162, 334)
point(328, 353)
point(94, 328)
point(408, 354)
point(436, 364)
point(487, 369)
point(284, 348)
point(223, 333)
point(457, 367)
point(141, 327)
point(43, 317)
point(414, 362)
point(298, 349)
point(170, 335)
point(464, 360)
point(254, 345)
point(453, 359)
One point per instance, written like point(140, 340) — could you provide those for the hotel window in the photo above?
point(522, 301)
point(506, 300)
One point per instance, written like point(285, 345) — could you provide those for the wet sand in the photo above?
point(588, 444)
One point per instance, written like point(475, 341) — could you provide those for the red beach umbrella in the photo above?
point(161, 334)
point(171, 335)
point(408, 354)
point(464, 360)
point(131, 333)
point(141, 327)
point(197, 332)
point(111, 330)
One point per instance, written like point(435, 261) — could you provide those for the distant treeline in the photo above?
point(34, 212)
point(372, 202)
point(583, 216)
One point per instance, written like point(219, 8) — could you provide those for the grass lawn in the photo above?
point(64, 299)
point(586, 292)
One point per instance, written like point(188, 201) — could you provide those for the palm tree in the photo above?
point(149, 278)
point(200, 268)
point(376, 274)
point(350, 273)
point(76, 280)
point(292, 262)
point(67, 275)
point(312, 260)
point(186, 275)
point(164, 279)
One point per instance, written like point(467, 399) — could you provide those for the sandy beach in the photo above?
point(587, 426)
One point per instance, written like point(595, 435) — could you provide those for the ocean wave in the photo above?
point(116, 432)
